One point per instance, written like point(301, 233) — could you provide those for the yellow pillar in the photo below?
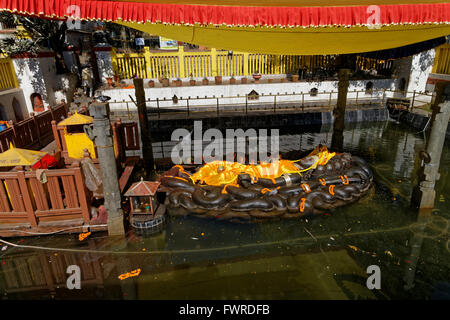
point(245, 63)
point(436, 60)
point(277, 64)
point(114, 61)
point(148, 71)
point(214, 61)
point(181, 61)
point(13, 73)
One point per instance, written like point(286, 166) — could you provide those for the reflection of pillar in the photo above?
point(105, 149)
point(146, 139)
point(424, 194)
point(337, 140)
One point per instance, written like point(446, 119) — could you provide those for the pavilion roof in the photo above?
point(143, 188)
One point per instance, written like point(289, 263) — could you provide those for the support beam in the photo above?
point(146, 139)
point(103, 140)
point(337, 140)
point(424, 194)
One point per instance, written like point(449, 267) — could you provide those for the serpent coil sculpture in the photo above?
point(277, 190)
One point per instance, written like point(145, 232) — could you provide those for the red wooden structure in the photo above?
point(27, 201)
point(34, 132)
point(59, 199)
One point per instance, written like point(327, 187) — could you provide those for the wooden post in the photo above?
point(157, 104)
point(81, 188)
point(36, 126)
point(217, 106)
point(274, 103)
point(187, 106)
point(51, 112)
point(246, 104)
point(13, 128)
point(26, 198)
point(412, 102)
point(56, 136)
point(303, 101)
point(337, 139)
point(146, 139)
point(116, 141)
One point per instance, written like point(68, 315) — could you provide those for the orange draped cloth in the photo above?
point(218, 173)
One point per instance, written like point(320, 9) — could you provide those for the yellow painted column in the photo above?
point(214, 61)
point(13, 73)
point(181, 61)
point(245, 63)
point(148, 64)
point(114, 61)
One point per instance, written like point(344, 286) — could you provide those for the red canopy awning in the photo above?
point(279, 27)
point(244, 14)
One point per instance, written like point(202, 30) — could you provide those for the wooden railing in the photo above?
point(213, 63)
point(25, 199)
point(33, 132)
point(8, 78)
point(442, 60)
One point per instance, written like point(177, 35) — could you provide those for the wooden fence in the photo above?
point(35, 131)
point(8, 78)
point(212, 63)
point(442, 60)
point(24, 199)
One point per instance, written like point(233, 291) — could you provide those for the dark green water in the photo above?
point(321, 258)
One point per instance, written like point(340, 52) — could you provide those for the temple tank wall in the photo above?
point(272, 120)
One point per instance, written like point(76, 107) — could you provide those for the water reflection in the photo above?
point(321, 258)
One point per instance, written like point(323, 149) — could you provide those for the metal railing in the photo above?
point(211, 106)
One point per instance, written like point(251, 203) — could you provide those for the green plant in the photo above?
point(44, 33)
point(12, 46)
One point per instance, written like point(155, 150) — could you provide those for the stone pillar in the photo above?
point(102, 135)
point(424, 194)
point(146, 139)
point(337, 140)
